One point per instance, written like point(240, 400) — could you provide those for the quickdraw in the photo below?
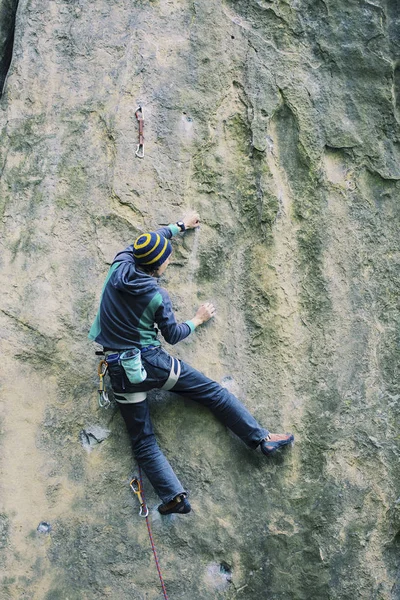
point(140, 147)
point(137, 489)
point(104, 401)
point(136, 486)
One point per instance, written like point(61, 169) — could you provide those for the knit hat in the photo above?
point(151, 249)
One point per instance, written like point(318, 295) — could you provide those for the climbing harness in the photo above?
point(140, 147)
point(136, 486)
point(126, 397)
point(104, 401)
point(133, 397)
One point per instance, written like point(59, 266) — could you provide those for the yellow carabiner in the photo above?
point(144, 511)
point(102, 368)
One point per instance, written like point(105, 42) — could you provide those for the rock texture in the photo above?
point(279, 122)
point(8, 11)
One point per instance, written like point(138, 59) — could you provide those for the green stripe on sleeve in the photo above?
point(148, 335)
point(174, 228)
point(191, 325)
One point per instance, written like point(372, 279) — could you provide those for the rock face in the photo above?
point(279, 123)
point(8, 11)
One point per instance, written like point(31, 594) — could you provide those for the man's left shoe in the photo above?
point(274, 441)
point(180, 504)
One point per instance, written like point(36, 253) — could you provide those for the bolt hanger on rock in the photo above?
point(140, 147)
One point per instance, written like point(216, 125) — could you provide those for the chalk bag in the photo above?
point(131, 361)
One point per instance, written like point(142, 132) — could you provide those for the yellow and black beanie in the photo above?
point(151, 249)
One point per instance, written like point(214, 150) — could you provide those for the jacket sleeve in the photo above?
point(125, 255)
point(164, 317)
point(169, 231)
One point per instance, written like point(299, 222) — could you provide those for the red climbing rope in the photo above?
point(144, 512)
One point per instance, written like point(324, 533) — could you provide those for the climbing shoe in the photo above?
point(180, 504)
point(274, 441)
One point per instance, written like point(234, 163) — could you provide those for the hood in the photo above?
point(128, 278)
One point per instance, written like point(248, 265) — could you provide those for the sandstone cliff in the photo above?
point(279, 122)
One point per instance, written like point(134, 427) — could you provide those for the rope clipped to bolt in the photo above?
point(136, 486)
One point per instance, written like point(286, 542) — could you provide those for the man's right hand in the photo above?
point(191, 220)
point(204, 313)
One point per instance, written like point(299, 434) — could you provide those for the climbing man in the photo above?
point(131, 306)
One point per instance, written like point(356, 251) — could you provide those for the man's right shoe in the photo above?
point(180, 504)
point(275, 441)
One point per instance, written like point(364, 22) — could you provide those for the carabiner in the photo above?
point(104, 400)
point(102, 368)
point(140, 151)
point(143, 511)
point(135, 480)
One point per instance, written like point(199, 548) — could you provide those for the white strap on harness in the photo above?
point(130, 397)
point(174, 374)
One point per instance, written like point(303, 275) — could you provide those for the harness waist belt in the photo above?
point(108, 351)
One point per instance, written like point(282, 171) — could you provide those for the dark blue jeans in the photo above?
point(191, 384)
